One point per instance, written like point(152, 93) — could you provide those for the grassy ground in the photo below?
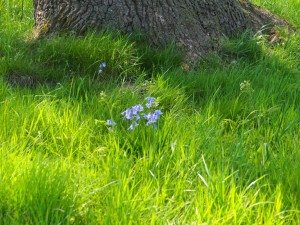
point(225, 150)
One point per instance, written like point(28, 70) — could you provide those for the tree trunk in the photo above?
point(196, 25)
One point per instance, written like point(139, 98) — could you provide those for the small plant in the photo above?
point(134, 114)
point(246, 87)
point(102, 65)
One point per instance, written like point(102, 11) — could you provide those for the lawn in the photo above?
point(217, 142)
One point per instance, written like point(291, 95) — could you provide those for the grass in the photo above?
point(226, 149)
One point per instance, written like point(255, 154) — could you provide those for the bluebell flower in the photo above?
point(152, 117)
point(137, 117)
point(111, 123)
point(137, 108)
point(102, 65)
point(158, 113)
point(150, 102)
point(132, 126)
point(147, 116)
point(128, 114)
point(133, 112)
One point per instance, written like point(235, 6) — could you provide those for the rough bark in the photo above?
point(197, 25)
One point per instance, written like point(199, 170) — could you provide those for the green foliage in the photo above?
point(226, 149)
point(35, 191)
point(245, 47)
point(286, 9)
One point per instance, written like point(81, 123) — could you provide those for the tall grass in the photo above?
point(225, 150)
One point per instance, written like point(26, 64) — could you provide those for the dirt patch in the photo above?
point(17, 79)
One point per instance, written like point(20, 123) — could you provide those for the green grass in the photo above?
point(286, 9)
point(226, 149)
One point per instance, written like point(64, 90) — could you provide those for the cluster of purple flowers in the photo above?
point(152, 117)
point(102, 65)
point(133, 114)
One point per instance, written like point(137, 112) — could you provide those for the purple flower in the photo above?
point(137, 108)
point(133, 112)
point(150, 102)
point(128, 114)
point(110, 123)
point(137, 117)
point(102, 65)
point(152, 117)
point(158, 113)
point(133, 126)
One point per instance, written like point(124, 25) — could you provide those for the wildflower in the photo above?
point(132, 126)
point(128, 114)
point(102, 65)
point(137, 108)
point(152, 117)
point(150, 102)
point(246, 86)
point(133, 112)
point(158, 113)
point(137, 117)
point(110, 123)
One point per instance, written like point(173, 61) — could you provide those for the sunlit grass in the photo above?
point(225, 150)
point(287, 9)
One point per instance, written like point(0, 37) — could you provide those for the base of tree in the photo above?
point(196, 26)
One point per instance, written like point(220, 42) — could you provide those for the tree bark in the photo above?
point(196, 25)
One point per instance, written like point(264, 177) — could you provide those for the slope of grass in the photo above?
point(225, 150)
point(286, 9)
